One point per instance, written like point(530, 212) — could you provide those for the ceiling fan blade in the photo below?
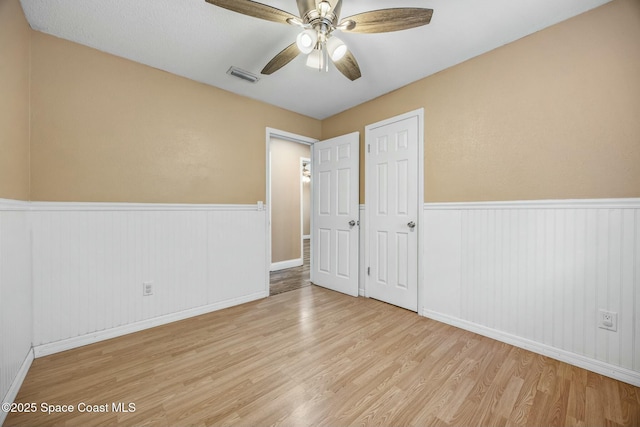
point(255, 9)
point(348, 66)
point(337, 8)
point(280, 60)
point(386, 20)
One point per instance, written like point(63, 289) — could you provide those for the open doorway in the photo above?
point(305, 214)
point(289, 203)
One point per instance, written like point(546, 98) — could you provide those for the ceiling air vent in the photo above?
point(242, 74)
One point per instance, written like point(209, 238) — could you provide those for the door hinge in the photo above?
point(368, 148)
point(368, 271)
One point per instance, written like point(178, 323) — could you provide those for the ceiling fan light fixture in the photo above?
point(314, 59)
point(307, 40)
point(337, 49)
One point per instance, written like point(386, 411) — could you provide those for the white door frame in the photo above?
point(368, 187)
point(304, 160)
point(288, 136)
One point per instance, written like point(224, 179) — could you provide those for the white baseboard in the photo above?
point(10, 397)
point(361, 292)
point(290, 263)
point(606, 369)
point(306, 237)
point(68, 344)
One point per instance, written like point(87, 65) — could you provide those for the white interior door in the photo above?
point(335, 227)
point(392, 212)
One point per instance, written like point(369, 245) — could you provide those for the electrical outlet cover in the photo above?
point(147, 288)
point(608, 320)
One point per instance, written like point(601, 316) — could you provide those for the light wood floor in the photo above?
point(316, 357)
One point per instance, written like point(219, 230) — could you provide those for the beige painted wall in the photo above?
point(285, 198)
point(14, 101)
point(553, 115)
point(306, 208)
point(110, 130)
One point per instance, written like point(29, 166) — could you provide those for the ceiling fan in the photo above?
point(319, 19)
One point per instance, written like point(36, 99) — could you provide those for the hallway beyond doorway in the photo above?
point(291, 278)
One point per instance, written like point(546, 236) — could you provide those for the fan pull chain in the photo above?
point(326, 57)
point(322, 59)
point(323, 63)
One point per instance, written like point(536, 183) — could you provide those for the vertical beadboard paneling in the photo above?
point(15, 296)
point(90, 262)
point(591, 282)
point(236, 255)
point(539, 272)
point(578, 297)
point(614, 289)
point(442, 229)
point(627, 287)
point(547, 301)
point(602, 276)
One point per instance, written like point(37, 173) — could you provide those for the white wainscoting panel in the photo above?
point(15, 298)
point(538, 272)
point(90, 262)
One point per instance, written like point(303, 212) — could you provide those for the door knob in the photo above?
point(411, 224)
point(352, 222)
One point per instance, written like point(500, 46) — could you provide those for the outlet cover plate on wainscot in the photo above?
point(608, 320)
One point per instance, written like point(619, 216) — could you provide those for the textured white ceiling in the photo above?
point(194, 39)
